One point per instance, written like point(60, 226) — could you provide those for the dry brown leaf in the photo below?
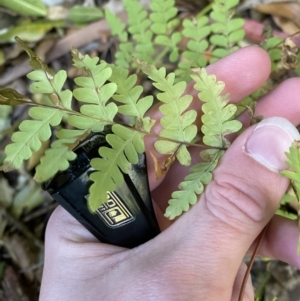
point(286, 25)
point(289, 57)
point(289, 10)
point(161, 171)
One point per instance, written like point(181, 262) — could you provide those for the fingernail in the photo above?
point(269, 141)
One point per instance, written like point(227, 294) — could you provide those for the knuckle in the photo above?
point(236, 205)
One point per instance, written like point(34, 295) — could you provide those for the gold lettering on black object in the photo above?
point(114, 212)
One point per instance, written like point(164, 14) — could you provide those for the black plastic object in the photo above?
point(127, 219)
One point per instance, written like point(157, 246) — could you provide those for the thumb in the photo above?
point(238, 203)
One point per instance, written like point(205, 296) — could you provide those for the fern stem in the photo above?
point(161, 55)
point(204, 11)
point(203, 146)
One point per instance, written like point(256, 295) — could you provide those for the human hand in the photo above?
point(199, 256)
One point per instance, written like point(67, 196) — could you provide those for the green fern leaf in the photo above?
point(196, 31)
point(227, 31)
point(93, 91)
point(177, 121)
point(293, 156)
point(217, 113)
point(55, 159)
point(273, 46)
point(51, 85)
point(139, 28)
point(128, 94)
point(164, 20)
point(29, 138)
point(125, 144)
point(124, 54)
point(117, 27)
point(193, 185)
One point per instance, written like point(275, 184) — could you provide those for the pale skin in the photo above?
point(199, 256)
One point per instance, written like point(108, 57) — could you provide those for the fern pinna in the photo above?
point(216, 124)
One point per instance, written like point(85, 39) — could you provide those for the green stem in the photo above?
point(161, 55)
point(204, 11)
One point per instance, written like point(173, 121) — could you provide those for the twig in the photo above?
point(246, 276)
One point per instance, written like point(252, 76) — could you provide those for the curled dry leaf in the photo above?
point(161, 171)
point(289, 57)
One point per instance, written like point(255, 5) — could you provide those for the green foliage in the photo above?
point(217, 123)
point(273, 45)
point(126, 144)
point(105, 90)
point(191, 187)
point(128, 94)
point(228, 31)
point(139, 28)
point(123, 56)
point(93, 93)
point(217, 115)
point(293, 156)
point(32, 132)
point(164, 18)
point(26, 8)
point(84, 14)
point(177, 122)
point(30, 135)
point(287, 198)
point(197, 32)
point(29, 32)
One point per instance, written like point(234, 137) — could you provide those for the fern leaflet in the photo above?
point(294, 175)
point(227, 31)
point(129, 96)
point(196, 31)
point(192, 185)
point(273, 46)
point(217, 113)
point(32, 132)
point(49, 166)
point(125, 144)
point(93, 91)
point(177, 123)
point(124, 54)
point(164, 20)
point(139, 27)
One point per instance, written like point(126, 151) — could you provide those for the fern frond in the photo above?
point(192, 185)
point(196, 31)
point(293, 156)
point(227, 31)
point(139, 27)
point(177, 121)
point(55, 159)
point(164, 20)
point(61, 150)
point(273, 46)
point(126, 144)
point(30, 135)
point(94, 92)
point(217, 113)
point(128, 94)
point(118, 28)
point(32, 132)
